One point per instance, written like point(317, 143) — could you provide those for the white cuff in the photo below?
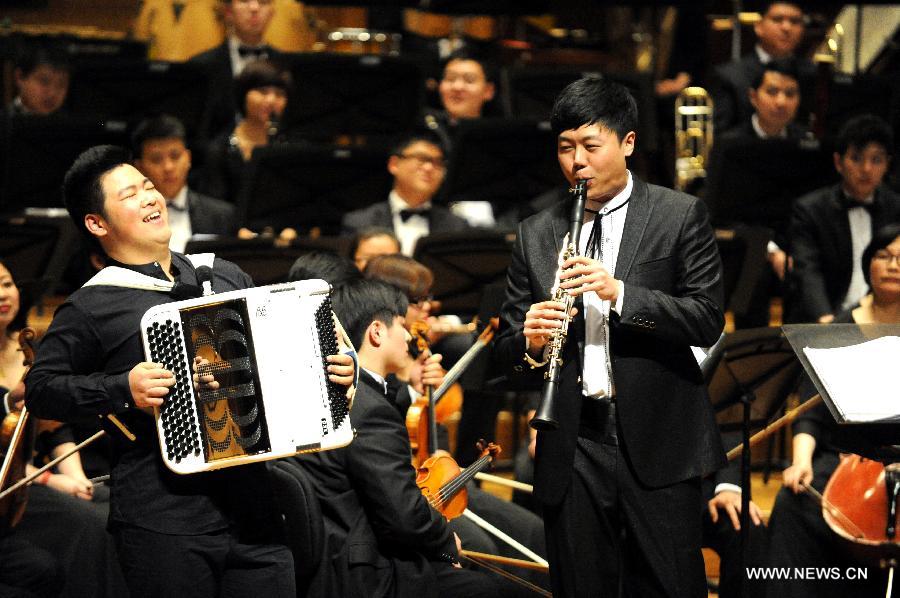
point(618, 305)
point(726, 487)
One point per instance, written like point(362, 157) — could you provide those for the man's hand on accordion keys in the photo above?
point(149, 384)
point(341, 369)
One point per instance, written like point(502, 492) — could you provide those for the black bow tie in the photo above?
point(407, 214)
point(849, 202)
point(251, 52)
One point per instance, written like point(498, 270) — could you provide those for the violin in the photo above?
point(17, 434)
point(443, 483)
point(421, 425)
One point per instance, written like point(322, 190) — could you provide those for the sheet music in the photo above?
point(859, 378)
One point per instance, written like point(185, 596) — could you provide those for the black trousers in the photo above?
point(27, 571)
point(204, 566)
point(613, 536)
point(726, 541)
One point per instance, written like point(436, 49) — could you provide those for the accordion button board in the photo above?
point(251, 380)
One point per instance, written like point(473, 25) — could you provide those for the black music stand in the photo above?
point(37, 251)
point(123, 92)
point(531, 92)
point(370, 97)
point(37, 151)
point(501, 161)
point(743, 251)
point(756, 372)
point(463, 264)
point(306, 187)
point(261, 258)
point(876, 440)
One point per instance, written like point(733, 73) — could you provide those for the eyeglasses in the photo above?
point(423, 159)
point(884, 256)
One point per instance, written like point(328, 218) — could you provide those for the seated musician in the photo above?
point(799, 535)
point(466, 86)
point(205, 534)
point(417, 164)
point(372, 242)
point(42, 75)
point(383, 538)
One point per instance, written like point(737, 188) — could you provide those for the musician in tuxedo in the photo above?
point(246, 21)
point(382, 537)
point(619, 480)
point(418, 167)
point(206, 534)
point(830, 227)
point(778, 33)
point(159, 145)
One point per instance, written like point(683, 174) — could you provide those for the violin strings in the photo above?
point(449, 489)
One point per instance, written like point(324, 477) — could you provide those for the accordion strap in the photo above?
point(116, 276)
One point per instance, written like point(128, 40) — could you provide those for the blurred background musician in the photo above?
point(159, 147)
point(42, 73)
point(831, 226)
point(799, 535)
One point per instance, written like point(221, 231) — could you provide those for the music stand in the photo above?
point(37, 250)
point(371, 97)
point(501, 161)
point(123, 92)
point(743, 251)
point(305, 187)
point(464, 263)
point(265, 262)
point(36, 153)
point(757, 371)
point(875, 440)
point(532, 91)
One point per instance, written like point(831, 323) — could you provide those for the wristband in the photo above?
point(44, 478)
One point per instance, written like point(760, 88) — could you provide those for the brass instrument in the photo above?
point(693, 135)
point(545, 418)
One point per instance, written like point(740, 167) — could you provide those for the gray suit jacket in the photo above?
point(210, 216)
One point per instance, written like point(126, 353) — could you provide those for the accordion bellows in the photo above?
point(251, 378)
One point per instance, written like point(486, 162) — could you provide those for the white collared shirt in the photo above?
point(860, 237)
point(754, 120)
point(410, 231)
point(596, 380)
point(179, 220)
point(238, 62)
point(378, 378)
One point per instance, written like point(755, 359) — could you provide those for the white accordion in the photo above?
point(251, 379)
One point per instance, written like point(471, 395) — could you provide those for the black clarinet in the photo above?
point(545, 419)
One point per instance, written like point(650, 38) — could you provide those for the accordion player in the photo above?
point(251, 378)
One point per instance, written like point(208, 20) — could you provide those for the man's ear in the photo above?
point(392, 164)
point(751, 93)
point(96, 225)
point(375, 333)
point(628, 143)
point(489, 91)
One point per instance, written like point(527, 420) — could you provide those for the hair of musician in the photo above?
point(411, 277)
point(31, 56)
point(784, 66)
point(766, 5)
point(422, 135)
point(258, 74)
point(861, 130)
point(361, 301)
point(18, 322)
point(370, 232)
point(488, 67)
point(594, 100)
point(83, 184)
point(334, 269)
point(883, 237)
point(161, 126)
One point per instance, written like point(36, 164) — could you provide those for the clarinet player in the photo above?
point(619, 479)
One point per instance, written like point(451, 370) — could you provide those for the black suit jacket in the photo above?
point(216, 62)
point(820, 244)
point(732, 80)
point(209, 216)
point(672, 276)
point(440, 219)
point(380, 531)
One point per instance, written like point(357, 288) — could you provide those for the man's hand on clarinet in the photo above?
point(149, 384)
point(540, 322)
point(581, 274)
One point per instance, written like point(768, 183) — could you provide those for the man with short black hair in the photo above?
point(831, 227)
point(418, 166)
point(160, 149)
point(208, 534)
point(619, 479)
point(778, 33)
point(42, 76)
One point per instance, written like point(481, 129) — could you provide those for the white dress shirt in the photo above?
point(415, 227)
point(179, 220)
point(238, 62)
point(860, 237)
point(596, 380)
